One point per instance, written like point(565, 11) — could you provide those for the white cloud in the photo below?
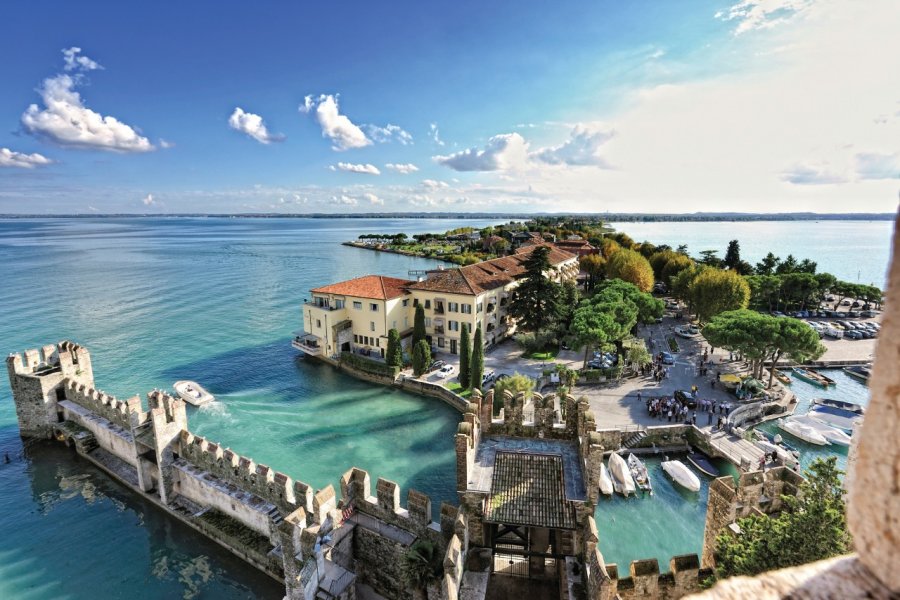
point(366, 169)
point(9, 158)
point(166, 144)
point(389, 133)
point(343, 133)
point(433, 184)
point(763, 14)
point(373, 199)
point(148, 200)
point(74, 62)
point(581, 149)
point(502, 152)
point(345, 200)
point(812, 174)
point(253, 126)
point(66, 121)
point(435, 134)
point(404, 168)
point(874, 166)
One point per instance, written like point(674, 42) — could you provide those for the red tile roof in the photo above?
point(367, 286)
point(475, 279)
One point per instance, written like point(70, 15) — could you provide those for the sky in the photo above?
point(359, 107)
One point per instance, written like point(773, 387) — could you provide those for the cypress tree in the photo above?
point(419, 326)
point(476, 368)
point(421, 357)
point(465, 351)
point(394, 354)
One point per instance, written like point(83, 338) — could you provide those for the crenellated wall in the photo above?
point(126, 414)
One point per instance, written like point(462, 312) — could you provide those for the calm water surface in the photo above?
point(216, 300)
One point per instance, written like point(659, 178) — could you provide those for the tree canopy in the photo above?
point(632, 267)
point(418, 326)
point(812, 526)
point(535, 301)
point(465, 352)
point(714, 291)
point(476, 367)
point(394, 353)
point(421, 357)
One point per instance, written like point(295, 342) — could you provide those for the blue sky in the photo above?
point(756, 105)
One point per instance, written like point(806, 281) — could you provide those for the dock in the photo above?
point(735, 449)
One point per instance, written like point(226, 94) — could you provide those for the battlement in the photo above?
point(275, 487)
point(105, 405)
point(356, 490)
point(72, 359)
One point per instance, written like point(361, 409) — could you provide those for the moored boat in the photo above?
point(803, 432)
point(606, 484)
point(702, 463)
point(812, 376)
point(682, 475)
point(857, 409)
point(621, 475)
point(832, 434)
point(782, 377)
point(860, 372)
point(193, 393)
point(836, 417)
point(639, 473)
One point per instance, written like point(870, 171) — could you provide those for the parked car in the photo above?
point(444, 371)
point(685, 398)
point(846, 302)
point(868, 314)
point(668, 359)
point(853, 335)
point(488, 377)
point(856, 304)
point(853, 314)
point(435, 365)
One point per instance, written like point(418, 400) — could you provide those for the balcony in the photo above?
point(438, 309)
point(491, 307)
point(322, 306)
point(439, 329)
point(308, 344)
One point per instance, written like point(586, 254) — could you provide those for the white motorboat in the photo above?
point(803, 432)
point(788, 457)
point(682, 475)
point(639, 473)
point(832, 434)
point(622, 480)
point(836, 417)
point(606, 484)
point(193, 393)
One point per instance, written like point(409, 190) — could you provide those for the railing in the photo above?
point(439, 329)
point(438, 309)
point(323, 306)
point(305, 346)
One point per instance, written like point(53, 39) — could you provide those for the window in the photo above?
point(440, 342)
point(427, 321)
point(406, 302)
point(338, 304)
point(355, 339)
point(371, 325)
point(453, 306)
point(453, 325)
point(480, 307)
point(467, 309)
point(428, 304)
point(377, 343)
point(357, 305)
point(319, 323)
point(374, 307)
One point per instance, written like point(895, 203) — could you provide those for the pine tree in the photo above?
point(394, 354)
point(476, 369)
point(419, 326)
point(465, 351)
point(535, 302)
point(421, 357)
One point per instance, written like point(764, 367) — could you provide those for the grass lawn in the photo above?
point(456, 388)
point(545, 354)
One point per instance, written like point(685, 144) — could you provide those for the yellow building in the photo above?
point(356, 315)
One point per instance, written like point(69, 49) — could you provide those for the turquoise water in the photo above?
point(215, 300)
point(671, 521)
point(856, 251)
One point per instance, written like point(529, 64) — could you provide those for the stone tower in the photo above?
point(36, 378)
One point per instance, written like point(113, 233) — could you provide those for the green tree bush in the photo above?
point(476, 369)
point(394, 353)
point(632, 267)
point(421, 357)
point(418, 326)
point(465, 351)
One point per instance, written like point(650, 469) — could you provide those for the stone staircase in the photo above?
point(634, 439)
point(565, 542)
point(275, 516)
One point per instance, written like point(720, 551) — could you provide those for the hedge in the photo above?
point(367, 365)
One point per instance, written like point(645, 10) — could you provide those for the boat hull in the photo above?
point(803, 432)
point(622, 480)
point(193, 393)
point(606, 484)
point(832, 434)
point(682, 475)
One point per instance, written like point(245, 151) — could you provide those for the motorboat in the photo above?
point(812, 376)
point(606, 484)
point(782, 377)
point(702, 463)
point(639, 473)
point(788, 455)
point(621, 475)
point(806, 433)
point(861, 373)
point(836, 417)
point(840, 404)
point(193, 393)
point(682, 475)
point(832, 434)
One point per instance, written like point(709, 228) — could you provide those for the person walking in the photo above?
point(694, 418)
point(709, 418)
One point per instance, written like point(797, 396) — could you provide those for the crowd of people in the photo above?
point(685, 410)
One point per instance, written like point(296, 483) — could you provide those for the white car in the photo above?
point(444, 371)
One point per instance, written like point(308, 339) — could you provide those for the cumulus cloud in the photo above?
point(435, 134)
point(373, 199)
point(404, 168)
point(762, 14)
point(342, 132)
point(344, 199)
point(874, 166)
point(812, 174)
point(66, 121)
point(253, 126)
point(74, 62)
point(581, 149)
point(389, 133)
point(365, 169)
point(9, 158)
point(433, 184)
point(502, 152)
point(148, 200)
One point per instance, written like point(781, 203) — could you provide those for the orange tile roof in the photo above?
point(378, 287)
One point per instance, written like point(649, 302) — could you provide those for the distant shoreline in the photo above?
point(605, 217)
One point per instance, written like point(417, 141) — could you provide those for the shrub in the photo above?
point(535, 342)
point(367, 365)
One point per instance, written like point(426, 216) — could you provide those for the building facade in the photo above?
point(356, 315)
